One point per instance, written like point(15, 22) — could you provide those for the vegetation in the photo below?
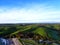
point(46, 31)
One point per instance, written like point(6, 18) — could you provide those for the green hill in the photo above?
point(45, 30)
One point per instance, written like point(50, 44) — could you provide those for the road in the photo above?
point(16, 41)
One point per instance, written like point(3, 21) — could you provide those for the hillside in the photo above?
point(49, 31)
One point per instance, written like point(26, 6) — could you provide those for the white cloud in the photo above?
point(35, 14)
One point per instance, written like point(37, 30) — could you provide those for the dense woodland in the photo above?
point(35, 31)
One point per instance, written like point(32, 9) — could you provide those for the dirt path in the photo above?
point(16, 41)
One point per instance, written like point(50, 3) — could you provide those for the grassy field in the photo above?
point(47, 31)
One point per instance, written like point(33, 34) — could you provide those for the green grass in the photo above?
point(29, 42)
point(40, 31)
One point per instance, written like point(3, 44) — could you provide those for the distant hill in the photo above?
point(45, 30)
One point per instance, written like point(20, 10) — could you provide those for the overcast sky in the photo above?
point(29, 11)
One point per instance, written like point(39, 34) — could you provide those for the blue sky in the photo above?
point(29, 11)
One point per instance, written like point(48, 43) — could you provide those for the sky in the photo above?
point(29, 11)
